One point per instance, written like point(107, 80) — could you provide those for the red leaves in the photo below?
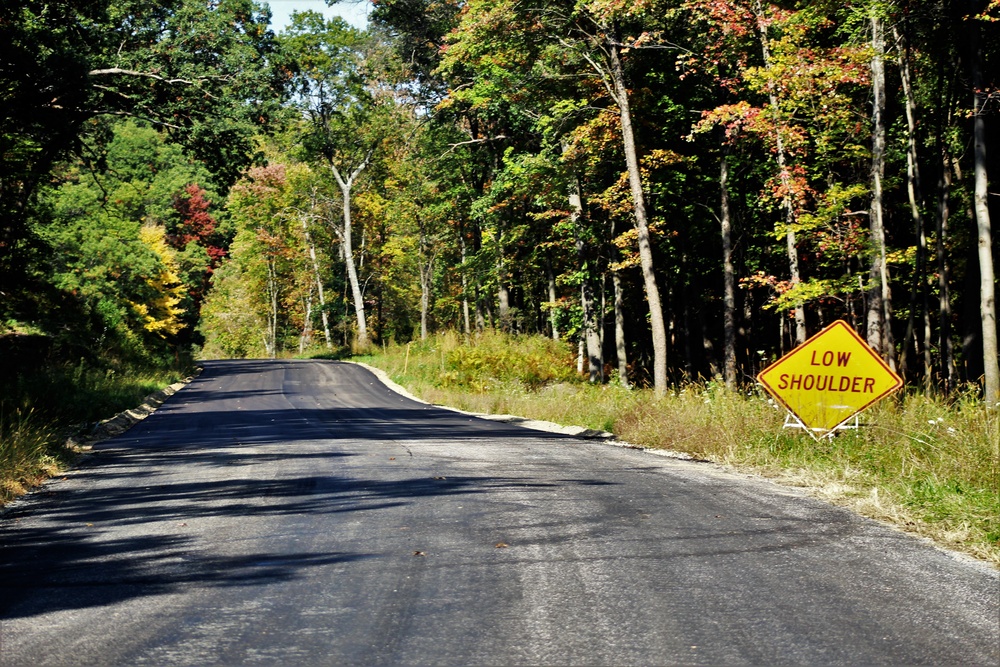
point(196, 223)
point(761, 279)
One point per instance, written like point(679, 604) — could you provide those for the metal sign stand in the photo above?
point(791, 421)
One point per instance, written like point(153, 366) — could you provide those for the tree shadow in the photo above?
point(100, 545)
point(115, 529)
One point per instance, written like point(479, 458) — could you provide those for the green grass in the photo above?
point(41, 410)
point(930, 465)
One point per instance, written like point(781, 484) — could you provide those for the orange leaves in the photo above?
point(792, 184)
point(735, 118)
point(761, 279)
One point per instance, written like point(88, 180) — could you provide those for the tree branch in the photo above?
point(157, 77)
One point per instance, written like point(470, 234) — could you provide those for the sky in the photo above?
point(354, 12)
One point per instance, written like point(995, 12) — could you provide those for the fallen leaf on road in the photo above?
point(502, 545)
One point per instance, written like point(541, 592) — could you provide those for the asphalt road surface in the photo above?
point(300, 513)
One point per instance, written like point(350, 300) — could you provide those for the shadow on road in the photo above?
point(77, 559)
point(222, 428)
point(143, 514)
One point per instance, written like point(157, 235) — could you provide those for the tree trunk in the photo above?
point(729, 278)
point(657, 325)
point(465, 285)
point(948, 370)
point(595, 363)
point(503, 303)
point(305, 340)
point(987, 278)
point(620, 330)
point(271, 337)
point(319, 284)
point(921, 295)
point(788, 204)
point(553, 311)
point(426, 278)
point(879, 330)
point(344, 232)
point(352, 273)
point(480, 310)
point(600, 315)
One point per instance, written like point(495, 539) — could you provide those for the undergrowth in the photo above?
point(928, 464)
point(40, 410)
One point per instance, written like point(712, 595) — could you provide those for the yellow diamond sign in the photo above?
point(829, 378)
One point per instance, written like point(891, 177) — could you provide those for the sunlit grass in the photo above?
point(26, 452)
point(930, 465)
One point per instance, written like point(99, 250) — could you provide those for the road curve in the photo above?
point(300, 513)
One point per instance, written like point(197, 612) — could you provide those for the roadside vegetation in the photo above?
point(46, 412)
point(928, 464)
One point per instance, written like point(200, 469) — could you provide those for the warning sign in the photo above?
point(829, 378)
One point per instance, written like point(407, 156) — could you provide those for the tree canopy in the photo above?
point(685, 188)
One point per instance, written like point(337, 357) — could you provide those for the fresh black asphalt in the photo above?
point(301, 513)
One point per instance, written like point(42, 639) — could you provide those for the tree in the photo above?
point(589, 41)
point(347, 117)
point(204, 72)
point(879, 318)
point(987, 276)
point(264, 249)
point(136, 202)
point(797, 94)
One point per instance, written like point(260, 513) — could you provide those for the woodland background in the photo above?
point(678, 189)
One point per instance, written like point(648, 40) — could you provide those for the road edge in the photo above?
point(608, 438)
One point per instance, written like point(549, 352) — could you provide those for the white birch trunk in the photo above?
point(553, 314)
point(729, 278)
point(345, 232)
point(319, 284)
point(987, 277)
point(879, 332)
point(620, 330)
point(465, 287)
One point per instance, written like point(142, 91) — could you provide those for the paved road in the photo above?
point(299, 513)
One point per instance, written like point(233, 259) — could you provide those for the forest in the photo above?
point(679, 189)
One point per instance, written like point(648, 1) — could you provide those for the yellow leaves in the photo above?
point(902, 256)
point(659, 158)
point(162, 314)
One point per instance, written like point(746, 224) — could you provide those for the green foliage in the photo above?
point(205, 72)
point(231, 322)
point(104, 257)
